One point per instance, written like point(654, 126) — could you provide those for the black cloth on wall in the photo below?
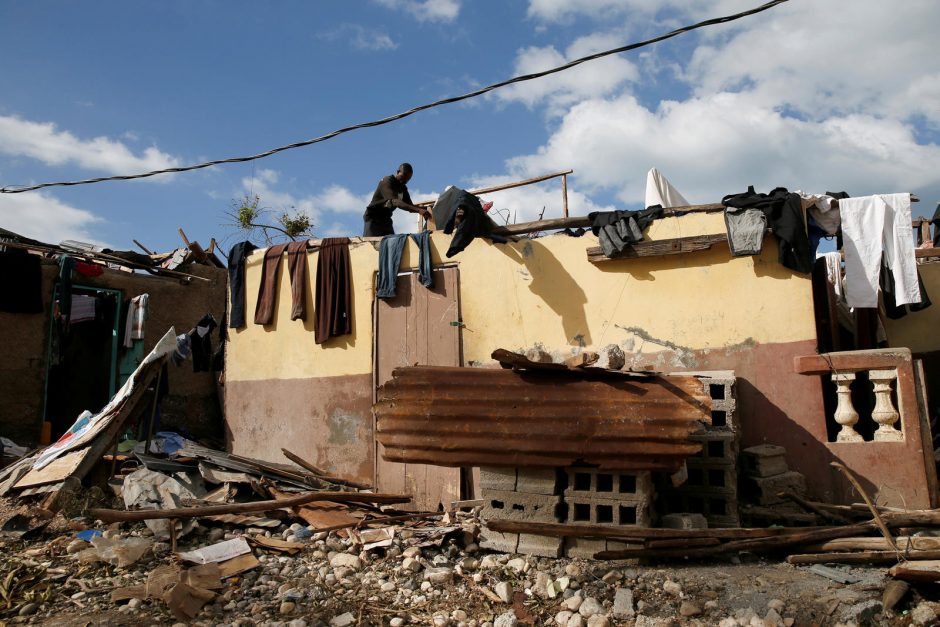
point(236, 282)
point(784, 213)
point(20, 282)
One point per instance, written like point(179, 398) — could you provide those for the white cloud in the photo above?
point(40, 216)
point(360, 37)
point(562, 10)
point(593, 79)
point(427, 10)
point(339, 199)
point(44, 142)
point(804, 96)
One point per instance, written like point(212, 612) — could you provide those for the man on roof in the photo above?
point(391, 193)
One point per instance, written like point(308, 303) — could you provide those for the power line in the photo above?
point(404, 114)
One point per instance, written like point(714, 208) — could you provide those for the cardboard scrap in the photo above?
point(276, 544)
point(185, 592)
point(129, 592)
point(375, 538)
point(186, 601)
point(324, 514)
point(238, 565)
point(217, 552)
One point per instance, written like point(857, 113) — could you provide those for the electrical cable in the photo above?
point(409, 112)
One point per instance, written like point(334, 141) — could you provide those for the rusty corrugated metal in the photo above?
point(490, 417)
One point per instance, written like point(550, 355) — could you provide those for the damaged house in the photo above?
point(564, 379)
point(77, 320)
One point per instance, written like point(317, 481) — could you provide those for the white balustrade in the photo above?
point(884, 412)
point(845, 411)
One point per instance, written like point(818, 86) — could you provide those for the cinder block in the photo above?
point(604, 512)
point(720, 478)
point(619, 545)
point(520, 506)
point(492, 478)
point(718, 447)
point(536, 480)
point(764, 460)
point(684, 521)
point(584, 548)
point(497, 541)
point(764, 490)
point(596, 484)
point(540, 546)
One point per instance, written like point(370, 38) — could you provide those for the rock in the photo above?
point(573, 570)
point(346, 560)
point(469, 563)
point(297, 622)
point(411, 551)
point(388, 586)
point(573, 603)
point(517, 564)
point(862, 613)
point(504, 591)
point(440, 576)
point(542, 583)
point(773, 618)
point(671, 587)
point(611, 576)
point(728, 622)
point(29, 609)
point(623, 603)
point(612, 357)
point(507, 619)
point(788, 621)
point(689, 609)
point(459, 615)
point(576, 620)
point(343, 620)
point(287, 607)
point(562, 618)
point(776, 605)
point(134, 603)
point(411, 564)
point(589, 607)
point(440, 620)
point(598, 620)
point(396, 622)
point(711, 605)
point(215, 535)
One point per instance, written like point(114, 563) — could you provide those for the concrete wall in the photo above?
point(193, 402)
point(918, 329)
point(703, 310)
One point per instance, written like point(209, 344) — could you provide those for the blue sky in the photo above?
point(807, 95)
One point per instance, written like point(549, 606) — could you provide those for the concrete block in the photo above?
point(520, 506)
point(721, 478)
point(684, 521)
point(536, 480)
point(604, 512)
point(765, 460)
point(615, 486)
point(540, 546)
point(496, 541)
point(620, 545)
point(584, 548)
point(492, 478)
point(764, 490)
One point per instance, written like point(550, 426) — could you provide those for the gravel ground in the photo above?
point(449, 581)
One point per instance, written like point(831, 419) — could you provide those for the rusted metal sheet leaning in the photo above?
point(539, 418)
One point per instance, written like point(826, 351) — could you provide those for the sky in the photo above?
point(818, 95)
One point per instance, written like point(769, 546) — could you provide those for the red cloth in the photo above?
point(88, 269)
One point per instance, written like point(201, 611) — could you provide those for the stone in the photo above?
point(440, 576)
point(504, 591)
point(388, 586)
point(862, 613)
point(573, 570)
point(542, 583)
point(576, 620)
point(598, 620)
point(765, 490)
point(776, 604)
point(538, 356)
point(562, 618)
point(671, 587)
point(688, 608)
point(75, 546)
point(297, 622)
point(518, 564)
point(773, 618)
point(397, 622)
point(573, 603)
point(764, 460)
point(29, 609)
point(287, 607)
point(589, 607)
point(411, 551)
point(343, 620)
point(134, 603)
point(611, 576)
point(623, 603)
point(611, 357)
point(411, 564)
point(507, 619)
point(346, 560)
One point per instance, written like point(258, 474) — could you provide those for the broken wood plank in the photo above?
point(680, 542)
point(917, 571)
point(906, 543)
point(882, 358)
point(112, 515)
point(238, 565)
point(561, 530)
point(659, 248)
point(812, 507)
point(862, 557)
point(871, 506)
point(58, 470)
point(321, 474)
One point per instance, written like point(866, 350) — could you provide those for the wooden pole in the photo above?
point(564, 193)
point(300, 461)
point(614, 533)
point(113, 515)
point(862, 557)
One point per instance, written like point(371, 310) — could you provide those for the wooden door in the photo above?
point(420, 326)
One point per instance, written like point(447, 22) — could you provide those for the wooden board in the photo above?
point(659, 248)
point(57, 470)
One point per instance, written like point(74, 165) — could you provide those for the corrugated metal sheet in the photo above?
point(489, 417)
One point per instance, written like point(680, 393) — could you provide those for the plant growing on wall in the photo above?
point(256, 221)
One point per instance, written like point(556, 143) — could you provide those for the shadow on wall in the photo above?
point(551, 282)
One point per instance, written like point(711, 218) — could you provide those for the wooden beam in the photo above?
point(862, 557)
point(850, 361)
point(561, 530)
point(920, 253)
point(659, 248)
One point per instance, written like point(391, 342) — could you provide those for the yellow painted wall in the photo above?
point(544, 291)
point(918, 329)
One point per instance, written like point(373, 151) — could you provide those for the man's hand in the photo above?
point(424, 213)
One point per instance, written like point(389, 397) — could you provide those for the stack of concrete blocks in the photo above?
point(524, 495)
point(609, 498)
point(765, 474)
point(711, 488)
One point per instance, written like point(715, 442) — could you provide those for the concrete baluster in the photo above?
point(884, 412)
point(845, 411)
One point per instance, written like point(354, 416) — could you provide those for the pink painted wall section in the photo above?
point(325, 420)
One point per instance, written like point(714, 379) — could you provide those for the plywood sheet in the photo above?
point(57, 470)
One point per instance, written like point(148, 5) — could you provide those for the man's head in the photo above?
point(404, 172)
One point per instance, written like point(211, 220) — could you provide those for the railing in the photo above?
point(889, 371)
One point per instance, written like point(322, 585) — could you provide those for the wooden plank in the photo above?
point(926, 252)
point(863, 557)
point(615, 533)
point(850, 361)
point(58, 470)
point(919, 571)
point(659, 248)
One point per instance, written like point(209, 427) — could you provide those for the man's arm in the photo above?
point(392, 201)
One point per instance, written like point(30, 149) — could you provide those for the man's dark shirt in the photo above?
point(378, 216)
